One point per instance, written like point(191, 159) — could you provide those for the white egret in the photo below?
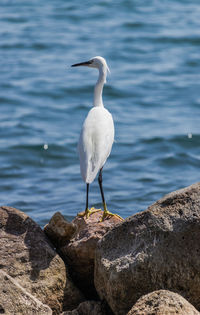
point(97, 136)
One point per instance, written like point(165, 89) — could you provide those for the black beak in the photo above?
point(86, 63)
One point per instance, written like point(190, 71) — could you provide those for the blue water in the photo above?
point(153, 92)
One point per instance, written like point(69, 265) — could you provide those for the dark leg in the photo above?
point(100, 180)
point(87, 194)
point(87, 212)
point(106, 213)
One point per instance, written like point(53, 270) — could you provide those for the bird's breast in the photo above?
point(95, 142)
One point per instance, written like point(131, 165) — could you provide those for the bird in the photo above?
point(96, 137)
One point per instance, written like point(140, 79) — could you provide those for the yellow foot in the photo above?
point(107, 214)
point(88, 212)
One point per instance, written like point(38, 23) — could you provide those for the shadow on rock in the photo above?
point(27, 255)
point(40, 250)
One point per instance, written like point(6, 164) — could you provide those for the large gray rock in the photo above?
point(28, 256)
point(162, 302)
point(16, 300)
point(156, 249)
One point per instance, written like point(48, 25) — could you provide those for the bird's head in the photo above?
point(96, 62)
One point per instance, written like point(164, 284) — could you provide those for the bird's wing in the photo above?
point(95, 142)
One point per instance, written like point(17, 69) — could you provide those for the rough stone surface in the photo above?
point(80, 251)
point(16, 300)
point(162, 302)
point(59, 230)
point(155, 249)
point(28, 256)
point(88, 308)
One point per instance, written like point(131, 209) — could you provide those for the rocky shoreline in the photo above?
point(147, 264)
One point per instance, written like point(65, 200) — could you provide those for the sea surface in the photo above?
point(153, 92)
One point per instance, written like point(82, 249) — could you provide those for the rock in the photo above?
point(28, 257)
point(80, 251)
point(16, 300)
point(162, 302)
point(155, 249)
point(59, 230)
point(88, 308)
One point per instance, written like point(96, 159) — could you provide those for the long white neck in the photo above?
point(99, 87)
